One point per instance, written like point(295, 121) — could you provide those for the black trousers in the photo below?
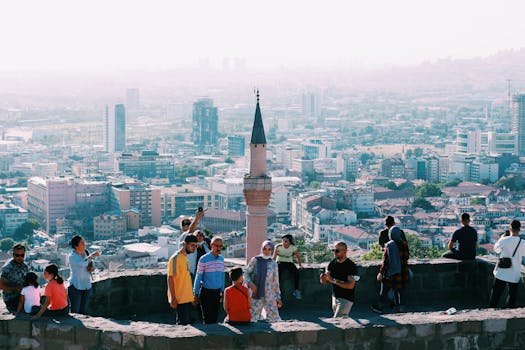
point(288, 266)
point(184, 313)
point(497, 290)
point(210, 300)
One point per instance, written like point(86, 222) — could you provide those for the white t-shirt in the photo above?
point(505, 247)
point(31, 297)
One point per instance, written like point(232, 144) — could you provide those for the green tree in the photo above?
point(229, 161)
point(7, 244)
point(317, 252)
point(375, 253)
point(315, 185)
point(25, 231)
point(418, 151)
point(417, 250)
point(477, 201)
point(451, 183)
point(391, 185)
point(422, 203)
point(428, 190)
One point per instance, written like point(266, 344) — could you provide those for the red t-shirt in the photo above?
point(238, 306)
point(57, 295)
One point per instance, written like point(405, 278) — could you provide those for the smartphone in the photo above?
point(200, 209)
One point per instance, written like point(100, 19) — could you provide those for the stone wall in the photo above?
point(442, 281)
point(474, 329)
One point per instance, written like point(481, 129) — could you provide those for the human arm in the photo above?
point(171, 290)
point(298, 257)
point(348, 284)
point(276, 252)
point(275, 282)
point(451, 244)
point(198, 279)
point(47, 301)
point(248, 273)
point(21, 303)
point(225, 303)
point(195, 223)
point(384, 265)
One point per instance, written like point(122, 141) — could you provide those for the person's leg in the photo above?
point(215, 301)
point(256, 309)
point(341, 307)
point(383, 298)
point(12, 304)
point(75, 298)
point(84, 301)
point(55, 313)
point(272, 311)
point(497, 290)
point(184, 314)
point(513, 295)
point(295, 273)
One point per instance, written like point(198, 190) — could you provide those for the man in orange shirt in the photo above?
point(180, 291)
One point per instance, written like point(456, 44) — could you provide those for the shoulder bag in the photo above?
point(506, 263)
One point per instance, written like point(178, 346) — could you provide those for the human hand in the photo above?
point(199, 215)
point(379, 277)
point(196, 300)
point(279, 303)
point(324, 278)
point(96, 253)
point(173, 304)
point(253, 287)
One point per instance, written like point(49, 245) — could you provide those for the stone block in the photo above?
point(88, 337)
point(391, 345)
point(75, 347)
point(425, 330)
point(19, 328)
point(396, 332)
point(470, 327)
point(154, 343)
point(516, 324)
point(330, 336)
point(111, 340)
point(28, 343)
point(495, 326)
point(435, 344)
point(306, 338)
point(448, 328)
point(519, 339)
point(132, 341)
point(433, 282)
point(59, 331)
point(468, 266)
point(267, 339)
point(412, 344)
point(218, 342)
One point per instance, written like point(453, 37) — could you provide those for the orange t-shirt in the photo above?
point(239, 309)
point(57, 295)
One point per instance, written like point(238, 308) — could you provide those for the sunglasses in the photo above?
point(218, 246)
point(337, 250)
point(18, 255)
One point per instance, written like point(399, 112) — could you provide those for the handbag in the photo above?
point(506, 263)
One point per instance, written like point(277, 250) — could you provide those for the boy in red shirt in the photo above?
point(237, 299)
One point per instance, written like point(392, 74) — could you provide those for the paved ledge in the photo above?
point(468, 329)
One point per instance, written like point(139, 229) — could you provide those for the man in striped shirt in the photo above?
point(209, 281)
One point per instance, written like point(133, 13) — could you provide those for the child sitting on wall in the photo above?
point(29, 295)
point(237, 299)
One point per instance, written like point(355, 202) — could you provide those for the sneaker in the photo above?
point(377, 309)
point(298, 295)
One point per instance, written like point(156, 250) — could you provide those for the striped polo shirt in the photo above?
point(210, 273)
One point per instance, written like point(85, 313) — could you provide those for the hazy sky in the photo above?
point(108, 34)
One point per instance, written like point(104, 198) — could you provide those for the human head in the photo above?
point(236, 275)
point(51, 273)
point(465, 219)
point(389, 221)
point(31, 279)
point(200, 235)
point(216, 245)
point(185, 224)
point(190, 243)
point(19, 253)
point(77, 242)
point(515, 226)
point(339, 249)
point(267, 248)
point(394, 233)
point(287, 239)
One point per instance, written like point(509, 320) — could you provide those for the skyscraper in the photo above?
point(205, 125)
point(115, 129)
point(257, 189)
point(518, 122)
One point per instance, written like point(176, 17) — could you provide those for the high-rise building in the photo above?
point(205, 125)
point(518, 122)
point(137, 196)
point(147, 165)
point(236, 146)
point(257, 189)
point(56, 198)
point(115, 129)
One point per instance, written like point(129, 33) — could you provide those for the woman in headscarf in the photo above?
point(262, 277)
point(394, 273)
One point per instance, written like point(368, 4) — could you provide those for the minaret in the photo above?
point(257, 189)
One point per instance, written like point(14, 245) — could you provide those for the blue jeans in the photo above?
point(78, 299)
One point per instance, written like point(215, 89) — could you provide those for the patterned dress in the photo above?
point(271, 291)
point(14, 274)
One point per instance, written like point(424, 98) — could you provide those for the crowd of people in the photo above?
point(196, 276)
